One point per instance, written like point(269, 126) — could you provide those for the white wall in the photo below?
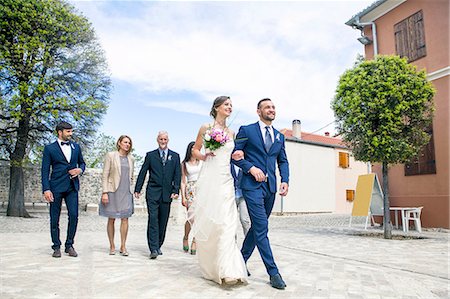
point(346, 179)
point(312, 179)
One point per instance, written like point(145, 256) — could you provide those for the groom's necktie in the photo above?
point(163, 157)
point(267, 140)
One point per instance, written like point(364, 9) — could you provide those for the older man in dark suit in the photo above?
point(63, 157)
point(163, 166)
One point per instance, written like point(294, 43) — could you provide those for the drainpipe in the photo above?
point(360, 26)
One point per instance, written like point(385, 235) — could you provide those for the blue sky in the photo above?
point(170, 59)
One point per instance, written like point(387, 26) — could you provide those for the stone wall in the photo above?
point(90, 185)
point(89, 196)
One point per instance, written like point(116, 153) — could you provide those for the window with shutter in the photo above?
point(344, 160)
point(409, 37)
point(425, 163)
point(350, 195)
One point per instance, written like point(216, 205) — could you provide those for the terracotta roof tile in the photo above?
point(334, 141)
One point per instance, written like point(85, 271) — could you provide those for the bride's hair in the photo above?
point(217, 102)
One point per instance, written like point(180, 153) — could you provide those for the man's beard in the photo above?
point(268, 117)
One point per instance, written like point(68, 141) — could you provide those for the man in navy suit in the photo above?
point(163, 166)
point(262, 147)
point(62, 163)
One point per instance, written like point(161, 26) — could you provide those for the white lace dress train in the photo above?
point(216, 220)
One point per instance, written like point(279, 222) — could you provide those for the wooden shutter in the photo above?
point(425, 163)
point(343, 160)
point(427, 160)
point(417, 34)
point(412, 168)
point(401, 38)
point(350, 195)
point(409, 37)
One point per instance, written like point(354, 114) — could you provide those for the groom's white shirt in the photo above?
point(262, 127)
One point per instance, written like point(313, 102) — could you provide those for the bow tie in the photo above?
point(65, 143)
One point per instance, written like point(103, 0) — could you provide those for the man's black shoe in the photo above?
point(56, 253)
point(71, 251)
point(277, 282)
point(153, 254)
point(159, 251)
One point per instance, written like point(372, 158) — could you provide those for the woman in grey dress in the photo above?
point(117, 196)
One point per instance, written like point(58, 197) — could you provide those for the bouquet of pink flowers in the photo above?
point(215, 138)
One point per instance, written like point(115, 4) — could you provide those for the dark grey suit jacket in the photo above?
point(164, 179)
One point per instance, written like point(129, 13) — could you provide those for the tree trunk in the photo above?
point(387, 214)
point(16, 199)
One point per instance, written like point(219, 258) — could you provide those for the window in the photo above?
point(425, 163)
point(350, 195)
point(344, 160)
point(410, 37)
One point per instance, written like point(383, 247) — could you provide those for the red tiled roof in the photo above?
point(315, 138)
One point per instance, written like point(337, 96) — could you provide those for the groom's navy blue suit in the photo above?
point(260, 196)
point(59, 182)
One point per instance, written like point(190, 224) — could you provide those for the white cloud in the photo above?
point(182, 106)
point(292, 52)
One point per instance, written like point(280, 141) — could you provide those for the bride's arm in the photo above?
point(199, 143)
point(231, 134)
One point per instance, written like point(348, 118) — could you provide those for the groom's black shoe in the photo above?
point(277, 282)
point(153, 254)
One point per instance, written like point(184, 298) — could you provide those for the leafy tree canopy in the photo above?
point(383, 109)
point(51, 69)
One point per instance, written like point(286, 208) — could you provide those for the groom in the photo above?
point(263, 147)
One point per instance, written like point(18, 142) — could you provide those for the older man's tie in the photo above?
point(163, 157)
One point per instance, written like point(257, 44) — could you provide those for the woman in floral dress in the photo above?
point(190, 168)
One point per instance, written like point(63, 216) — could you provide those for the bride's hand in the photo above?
point(209, 154)
point(237, 155)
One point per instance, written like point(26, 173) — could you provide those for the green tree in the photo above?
point(52, 68)
point(383, 108)
point(96, 151)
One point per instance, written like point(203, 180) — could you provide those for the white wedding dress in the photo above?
point(216, 220)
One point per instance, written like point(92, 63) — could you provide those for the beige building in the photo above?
point(323, 174)
point(418, 30)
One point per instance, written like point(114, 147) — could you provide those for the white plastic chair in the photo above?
point(414, 215)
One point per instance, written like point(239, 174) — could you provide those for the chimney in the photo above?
point(297, 129)
point(327, 134)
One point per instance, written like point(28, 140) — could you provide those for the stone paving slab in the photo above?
point(316, 260)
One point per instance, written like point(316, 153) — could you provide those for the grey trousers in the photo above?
point(243, 214)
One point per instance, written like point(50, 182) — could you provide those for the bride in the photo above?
point(216, 217)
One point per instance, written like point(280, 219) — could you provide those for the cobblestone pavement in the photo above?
point(319, 256)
